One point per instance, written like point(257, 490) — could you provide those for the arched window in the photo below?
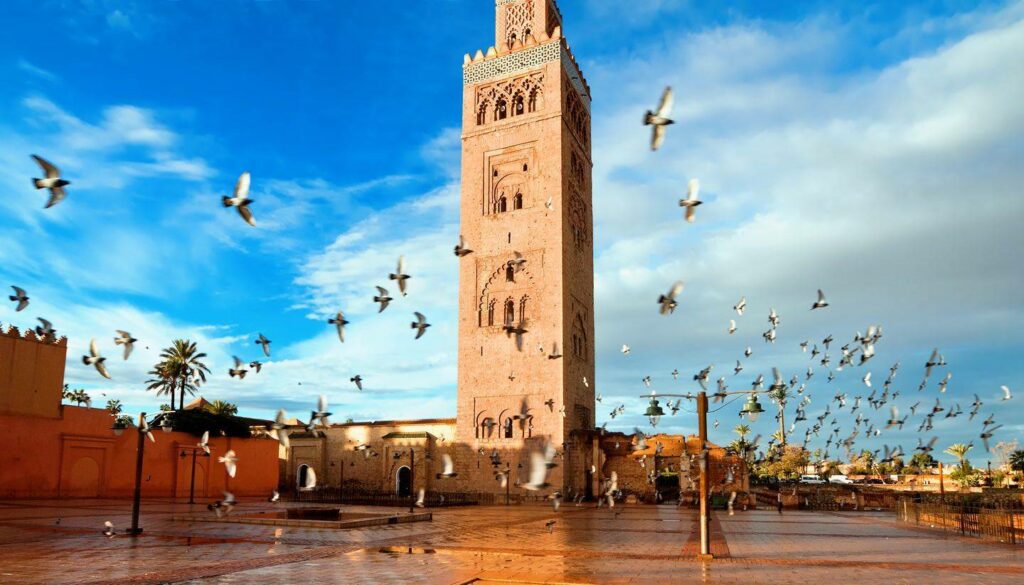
point(518, 108)
point(510, 274)
point(481, 114)
point(517, 201)
point(522, 308)
point(534, 100)
point(501, 111)
point(508, 428)
point(510, 312)
point(502, 204)
point(490, 312)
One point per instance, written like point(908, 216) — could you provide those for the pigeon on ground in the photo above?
point(53, 182)
point(691, 202)
point(108, 529)
point(95, 359)
point(820, 303)
point(660, 119)
point(19, 296)
point(420, 324)
point(400, 275)
point(357, 380)
point(240, 200)
point(230, 462)
point(668, 301)
point(274, 497)
point(261, 340)
point(461, 249)
point(124, 338)
point(339, 322)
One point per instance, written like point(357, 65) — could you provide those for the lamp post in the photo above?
point(751, 409)
point(412, 479)
point(137, 497)
point(192, 479)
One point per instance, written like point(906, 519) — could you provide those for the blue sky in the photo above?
point(871, 151)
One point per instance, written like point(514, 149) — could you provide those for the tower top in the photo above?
point(517, 20)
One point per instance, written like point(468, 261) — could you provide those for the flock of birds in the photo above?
point(858, 352)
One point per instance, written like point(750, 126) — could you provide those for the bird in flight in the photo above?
point(820, 303)
point(239, 370)
point(46, 329)
point(668, 301)
point(261, 340)
point(95, 360)
point(447, 467)
point(53, 181)
point(383, 298)
point(20, 297)
point(124, 338)
point(420, 324)
point(400, 275)
point(357, 380)
point(339, 323)
point(230, 462)
point(240, 200)
point(660, 119)
point(691, 202)
point(461, 249)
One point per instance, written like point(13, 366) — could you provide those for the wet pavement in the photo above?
point(55, 541)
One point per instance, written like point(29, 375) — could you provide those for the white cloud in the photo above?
point(35, 70)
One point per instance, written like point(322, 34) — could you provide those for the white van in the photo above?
point(840, 479)
point(811, 479)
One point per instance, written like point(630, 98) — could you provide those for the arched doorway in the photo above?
point(305, 478)
point(403, 482)
point(668, 487)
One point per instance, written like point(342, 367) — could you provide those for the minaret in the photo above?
point(526, 190)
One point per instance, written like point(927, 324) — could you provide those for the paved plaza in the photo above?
point(61, 542)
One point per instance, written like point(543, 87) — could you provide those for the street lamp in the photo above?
point(192, 481)
point(654, 412)
point(142, 430)
point(751, 409)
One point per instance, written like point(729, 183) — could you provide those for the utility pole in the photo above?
point(508, 480)
point(412, 479)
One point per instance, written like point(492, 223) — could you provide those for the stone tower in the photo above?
point(526, 189)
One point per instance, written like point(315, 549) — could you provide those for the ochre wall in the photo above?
point(78, 455)
point(31, 373)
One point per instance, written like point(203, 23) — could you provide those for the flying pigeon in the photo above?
point(461, 249)
point(555, 354)
point(691, 202)
point(400, 275)
point(204, 442)
point(732, 326)
point(256, 365)
point(339, 323)
point(53, 182)
point(820, 303)
point(626, 349)
point(261, 340)
point(281, 428)
point(420, 324)
point(660, 119)
point(239, 370)
point(20, 297)
point(95, 359)
point(46, 329)
point(357, 380)
point(1006, 392)
point(274, 497)
point(447, 468)
point(124, 338)
point(230, 462)
point(517, 261)
point(668, 301)
point(740, 306)
point(240, 200)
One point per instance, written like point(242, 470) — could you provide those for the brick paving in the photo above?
point(487, 544)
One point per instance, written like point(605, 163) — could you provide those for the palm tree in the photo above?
point(742, 431)
point(182, 363)
point(1017, 460)
point(222, 408)
point(959, 450)
point(161, 381)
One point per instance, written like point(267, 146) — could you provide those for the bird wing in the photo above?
point(123, 334)
point(321, 403)
point(449, 465)
point(692, 190)
point(18, 291)
point(420, 319)
point(128, 347)
point(691, 213)
point(238, 362)
point(206, 437)
point(93, 351)
point(401, 266)
point(665, 106)
point(52, 172)
point(102, 369)
point(246, 214)
point(381, 292)
point(242, 186)
point(677, 287)
point(538, 469)
point(657, 137)
point(821, 296)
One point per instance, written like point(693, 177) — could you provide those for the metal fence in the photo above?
point(431, 499)
point(1001, 524)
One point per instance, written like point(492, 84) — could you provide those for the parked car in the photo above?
point(811, 479)
point(842, 479)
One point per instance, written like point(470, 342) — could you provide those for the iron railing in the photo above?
point(431, 499)
point(998, 523)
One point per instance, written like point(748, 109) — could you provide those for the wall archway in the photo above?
point(85, 478)
point(403, 482)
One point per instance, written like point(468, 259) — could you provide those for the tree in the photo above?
point(959, 450)
point(742, 431)
point(181, 369)
point(222, 408)
point(863, 463)
point(921, 463)
point(79, 397)
point(1017, 461)
point(789, 465)
point(114, 407)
